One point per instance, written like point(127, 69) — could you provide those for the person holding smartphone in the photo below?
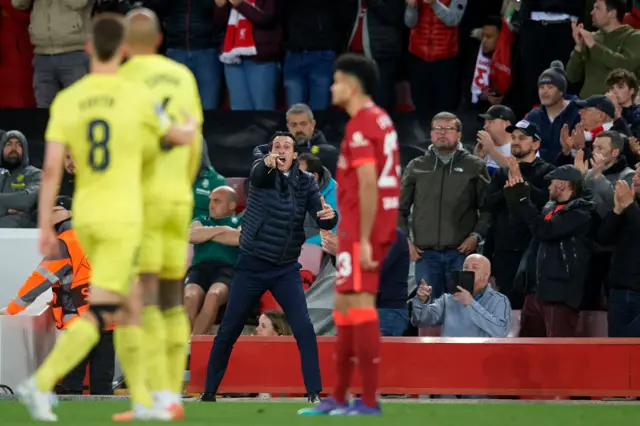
point(471, 308)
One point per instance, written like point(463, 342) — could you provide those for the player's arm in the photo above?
point(51, 177)
point(53, 162)
point(155, 117)
point(363, 159)
point(49, 271)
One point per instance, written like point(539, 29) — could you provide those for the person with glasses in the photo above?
point(445, 189)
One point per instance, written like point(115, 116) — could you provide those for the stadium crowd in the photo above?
point(543, 207)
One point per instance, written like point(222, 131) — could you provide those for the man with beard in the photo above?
point(302, 125)
point(19, 182)
point(562, 238)
point(622, 228)
point(507, 239)
point(445, 189)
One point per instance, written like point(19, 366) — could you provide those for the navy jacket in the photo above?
point(273, 222)
point(550, 131)
point(188, 24)
point(393, 293)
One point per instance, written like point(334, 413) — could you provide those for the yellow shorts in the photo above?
point(112, 250)
point(165, 240)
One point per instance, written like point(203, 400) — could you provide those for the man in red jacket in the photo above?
point(16, 54)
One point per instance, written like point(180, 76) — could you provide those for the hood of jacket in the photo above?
point(23, 140)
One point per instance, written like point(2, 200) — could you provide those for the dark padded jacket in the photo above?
point(273, 222)
point(188, 24)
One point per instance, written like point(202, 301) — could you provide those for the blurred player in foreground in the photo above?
point(168, 206)
point(368, 179)
point(111, 127)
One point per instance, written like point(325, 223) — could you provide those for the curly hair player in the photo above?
point(368, 191)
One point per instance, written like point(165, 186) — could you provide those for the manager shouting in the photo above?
point(280, 196)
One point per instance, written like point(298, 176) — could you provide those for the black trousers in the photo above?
point(101, 361)
point(434, 85)
point(540, 43)
point(386, 94)
point(504, 266)
point(246, 290)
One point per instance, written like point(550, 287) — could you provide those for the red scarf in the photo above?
point(555, 210)
point(500, 74)
point(238, 40)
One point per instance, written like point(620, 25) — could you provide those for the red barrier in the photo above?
point(537, 367)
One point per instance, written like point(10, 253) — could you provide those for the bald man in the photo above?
point(483, 313)
point(215, 238)
point(168, 201)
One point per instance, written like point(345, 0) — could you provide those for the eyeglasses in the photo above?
point(445, 129)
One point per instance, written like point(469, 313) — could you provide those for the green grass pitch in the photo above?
point(71, 413)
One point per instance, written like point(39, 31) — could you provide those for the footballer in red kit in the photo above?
point(368, 179)
point(370, 138)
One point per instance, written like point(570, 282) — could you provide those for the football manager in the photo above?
point(272, 235)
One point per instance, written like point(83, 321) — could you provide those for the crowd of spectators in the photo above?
point(543, 207)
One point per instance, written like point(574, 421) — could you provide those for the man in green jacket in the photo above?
point(208, 180)
point(613, 46)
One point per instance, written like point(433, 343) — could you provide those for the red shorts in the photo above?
point(351, 278)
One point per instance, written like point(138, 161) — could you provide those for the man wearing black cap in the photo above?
point(597, 114)
point(562, 240)
point(494, 142)
point(507, 239)
point(554, 111)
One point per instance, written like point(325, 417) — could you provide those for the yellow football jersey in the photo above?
point(175, 86)
point(111, 127)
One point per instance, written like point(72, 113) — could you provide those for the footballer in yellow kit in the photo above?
point(168, 192)
point(111, 127)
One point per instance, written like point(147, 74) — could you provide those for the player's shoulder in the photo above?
point(371, 119)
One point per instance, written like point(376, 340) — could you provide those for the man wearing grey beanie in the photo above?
point(554, 111)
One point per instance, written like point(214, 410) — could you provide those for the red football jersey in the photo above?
point(370, 137)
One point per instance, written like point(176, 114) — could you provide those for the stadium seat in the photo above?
point(429, 331)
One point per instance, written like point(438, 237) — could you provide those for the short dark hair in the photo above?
point(617, 140)
point(108, 34)
point(278, 134)
point(494, 21)
point(364, 69)
point(448, 116)
point(620, 6)
point(622, 76)
point(314, 164)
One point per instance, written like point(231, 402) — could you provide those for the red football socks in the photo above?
point(366, 332)
point(343, 356)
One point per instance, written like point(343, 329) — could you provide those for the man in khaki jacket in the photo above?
point(58, 31)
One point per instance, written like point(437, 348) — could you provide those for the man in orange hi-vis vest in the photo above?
point(68, 276)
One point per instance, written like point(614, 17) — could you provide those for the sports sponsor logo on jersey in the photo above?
point(358, 140)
